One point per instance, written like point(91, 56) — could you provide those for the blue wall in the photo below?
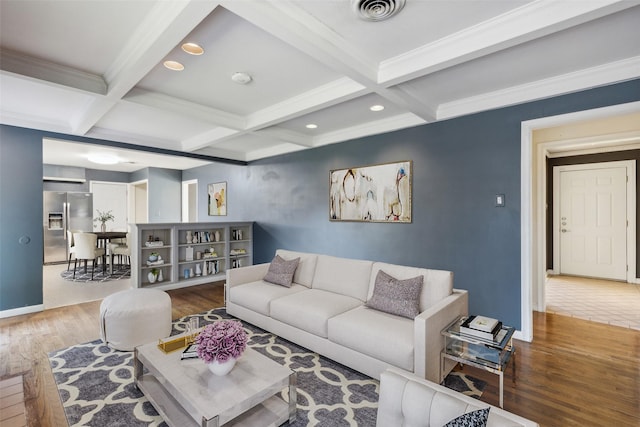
point(20, 218)
point(459, 165)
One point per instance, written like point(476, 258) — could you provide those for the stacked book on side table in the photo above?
point(484, 328)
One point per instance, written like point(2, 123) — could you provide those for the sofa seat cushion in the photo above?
point(257, 296)
point(311, 310)
point(384, 336)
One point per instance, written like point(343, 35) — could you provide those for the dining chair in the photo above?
point(123, 250)
point(86, 249)
point(71, 249)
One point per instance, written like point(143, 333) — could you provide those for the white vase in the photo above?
point(160, 278)
point(221, 369)
point(217, 235)
point(198, 271)
point(189, 238)
point(152, 277)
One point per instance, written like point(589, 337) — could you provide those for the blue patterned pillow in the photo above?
point(470, 419)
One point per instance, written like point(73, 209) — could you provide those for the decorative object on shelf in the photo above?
point(189, 236)
point(152, 276)
point(380, 193)
point(102, 218)
point(186, 273)
point(153, 244)
point(191, 272)
point(160, 277)
point(217, 194)
point(153, 256)
point(220, 344)
point(188, 253)
point(217, 237)
point(198, 270)
point(199, 255)
point(204, 268)
point(239, 251)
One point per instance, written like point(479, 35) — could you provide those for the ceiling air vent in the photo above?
point(376, 10)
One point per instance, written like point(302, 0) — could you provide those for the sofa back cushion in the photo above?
point(437, 284)
point(306, 266)
point(343, 276)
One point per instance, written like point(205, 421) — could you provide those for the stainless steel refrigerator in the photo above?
point(64, 211)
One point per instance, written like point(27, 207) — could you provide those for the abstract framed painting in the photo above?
point(378, 193)
point(217, 196)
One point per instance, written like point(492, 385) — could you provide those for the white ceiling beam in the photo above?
point(186, 108)
point(287, 135)
point(533, 20)
point(296, 27)
point(208, 138)
point(45, 71)
point(162, 29)
point(389, 124)
point(626, 69)
point(316, 99)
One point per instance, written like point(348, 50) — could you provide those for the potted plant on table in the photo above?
point(220, 344)
point(103, 217)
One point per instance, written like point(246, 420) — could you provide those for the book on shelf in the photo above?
point(481, 327)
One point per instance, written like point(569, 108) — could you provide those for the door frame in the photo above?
point(533, 206)
point(186, 201)
point(630, 166)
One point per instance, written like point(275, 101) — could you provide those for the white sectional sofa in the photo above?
point(324, 310)
point(406, 400)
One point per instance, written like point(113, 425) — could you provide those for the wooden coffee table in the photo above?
point(186, 393)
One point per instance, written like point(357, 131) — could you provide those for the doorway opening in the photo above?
point(623, 133)
point(190, 201)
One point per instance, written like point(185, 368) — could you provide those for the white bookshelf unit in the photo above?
point(191, 253)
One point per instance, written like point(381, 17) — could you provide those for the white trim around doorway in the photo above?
point(533, 206)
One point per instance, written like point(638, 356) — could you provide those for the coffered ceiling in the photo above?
point(95, 67)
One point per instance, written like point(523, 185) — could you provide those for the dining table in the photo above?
point(104, 238)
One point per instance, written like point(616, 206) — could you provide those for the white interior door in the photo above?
point(110, 196)
point(593, 222)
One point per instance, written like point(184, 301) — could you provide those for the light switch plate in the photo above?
point(499, 200)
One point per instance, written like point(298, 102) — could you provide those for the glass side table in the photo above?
point(483, 354)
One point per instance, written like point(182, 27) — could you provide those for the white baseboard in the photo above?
point(21, 310)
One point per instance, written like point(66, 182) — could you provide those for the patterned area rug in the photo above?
point(96, 385)
point(120, 271)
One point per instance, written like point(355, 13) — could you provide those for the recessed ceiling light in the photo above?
point(193, 48)
point(103, 158)
point(311, 126)
point(174, 65)
point(241, 78)
point(376, 107)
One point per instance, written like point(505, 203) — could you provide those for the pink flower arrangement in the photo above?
point(221, 341)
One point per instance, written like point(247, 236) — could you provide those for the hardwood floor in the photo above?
point(574, 373)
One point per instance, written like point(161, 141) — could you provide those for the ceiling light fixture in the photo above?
point(103, 158)
point(193, 48)
point(376, 10)
point(376, 107)
point(241, 78)
point(311, 126)
point(174, 65)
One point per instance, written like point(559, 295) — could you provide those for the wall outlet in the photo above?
point(499, 200)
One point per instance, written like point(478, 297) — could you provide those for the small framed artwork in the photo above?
point(378, 193)
point(217, 195)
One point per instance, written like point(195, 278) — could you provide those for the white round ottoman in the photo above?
point(134, 317)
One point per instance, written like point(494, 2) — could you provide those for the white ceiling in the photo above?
point(94, 68)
